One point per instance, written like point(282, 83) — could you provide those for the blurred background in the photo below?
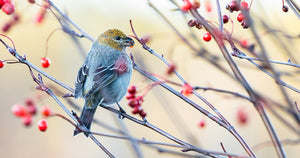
point(164, 110)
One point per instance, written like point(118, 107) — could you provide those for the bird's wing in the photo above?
point(102, 76)
point(81, 76)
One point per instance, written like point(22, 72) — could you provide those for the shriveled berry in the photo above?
point(225, 19)
point(285, 8)
point(233, 6)
point(43, 125)
point(171, 69)
point(29, 102)
point(31, 109)
point(31, 1)
point(143, 114)
point(196, 4)
point(27, 120)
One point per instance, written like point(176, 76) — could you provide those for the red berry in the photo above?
point(45, 62)
point(18, 110)
point(244, 5)
point(130, 96)
point(187, 89)
point(46, 111)
point(207, 37)
point(143, 114)
point(131, 89)
point(285, 8)
point(1, 3)
point(242, 116)
point(133, 103)
point(27, 120)
point(8, 8)
point(137, 110)
point(225, 19)
point(42, 124)
point(1, 64)
point(202, 123)
point(186, 6)
point(240, 17)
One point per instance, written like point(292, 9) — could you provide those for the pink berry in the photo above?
point(27, 120)
point(8, 8)
point(244, 5)
point(42, 124)
point(18, 110)
point(242, 116)
point(202, 123)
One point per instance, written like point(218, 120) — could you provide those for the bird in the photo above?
point(104, 77)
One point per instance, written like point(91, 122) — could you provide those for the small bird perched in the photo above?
point(105, 74)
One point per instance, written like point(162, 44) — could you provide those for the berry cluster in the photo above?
point(7, 26)
point(235, 6)
point(7, 6)
point(135, 101)
point(27, 112)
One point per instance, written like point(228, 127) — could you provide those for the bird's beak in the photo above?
point(129, 42)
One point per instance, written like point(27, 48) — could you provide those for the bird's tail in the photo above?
point(86, 118)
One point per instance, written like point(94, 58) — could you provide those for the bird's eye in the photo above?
point(117, 38)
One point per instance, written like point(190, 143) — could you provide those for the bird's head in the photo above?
point(116, 39)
